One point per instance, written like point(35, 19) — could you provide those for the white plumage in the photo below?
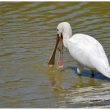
point(86, 50)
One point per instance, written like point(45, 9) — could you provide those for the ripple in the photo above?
point(27, 36)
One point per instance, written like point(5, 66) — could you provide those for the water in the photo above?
point(27, 37)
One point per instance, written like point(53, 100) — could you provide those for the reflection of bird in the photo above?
point(63, 95)
point(56, 83)
point(56, 79)
point(86, 50)
point(84, 82)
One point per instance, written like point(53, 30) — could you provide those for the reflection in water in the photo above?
point(64, 95)
point(56, 82)
point(56, 79)
point(81, 81)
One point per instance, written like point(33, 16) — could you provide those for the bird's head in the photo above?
point(64, 31)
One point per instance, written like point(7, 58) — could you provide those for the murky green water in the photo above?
point(27, 36)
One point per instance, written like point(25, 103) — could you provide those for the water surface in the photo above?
point(27, 37)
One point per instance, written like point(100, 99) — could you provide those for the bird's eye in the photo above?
point(57, 30)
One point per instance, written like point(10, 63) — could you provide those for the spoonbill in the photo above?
point(84, 49)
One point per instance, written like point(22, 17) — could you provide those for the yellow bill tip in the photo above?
point(50, 66)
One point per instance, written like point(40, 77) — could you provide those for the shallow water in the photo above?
point(27, 37)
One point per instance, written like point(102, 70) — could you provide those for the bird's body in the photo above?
point(88, 52)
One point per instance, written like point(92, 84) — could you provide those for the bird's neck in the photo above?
point(66, 37)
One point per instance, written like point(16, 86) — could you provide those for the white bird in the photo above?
point(84, 49)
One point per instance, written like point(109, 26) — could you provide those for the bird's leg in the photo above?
point(79, 72)
point(92, 74)
point(80, 69)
